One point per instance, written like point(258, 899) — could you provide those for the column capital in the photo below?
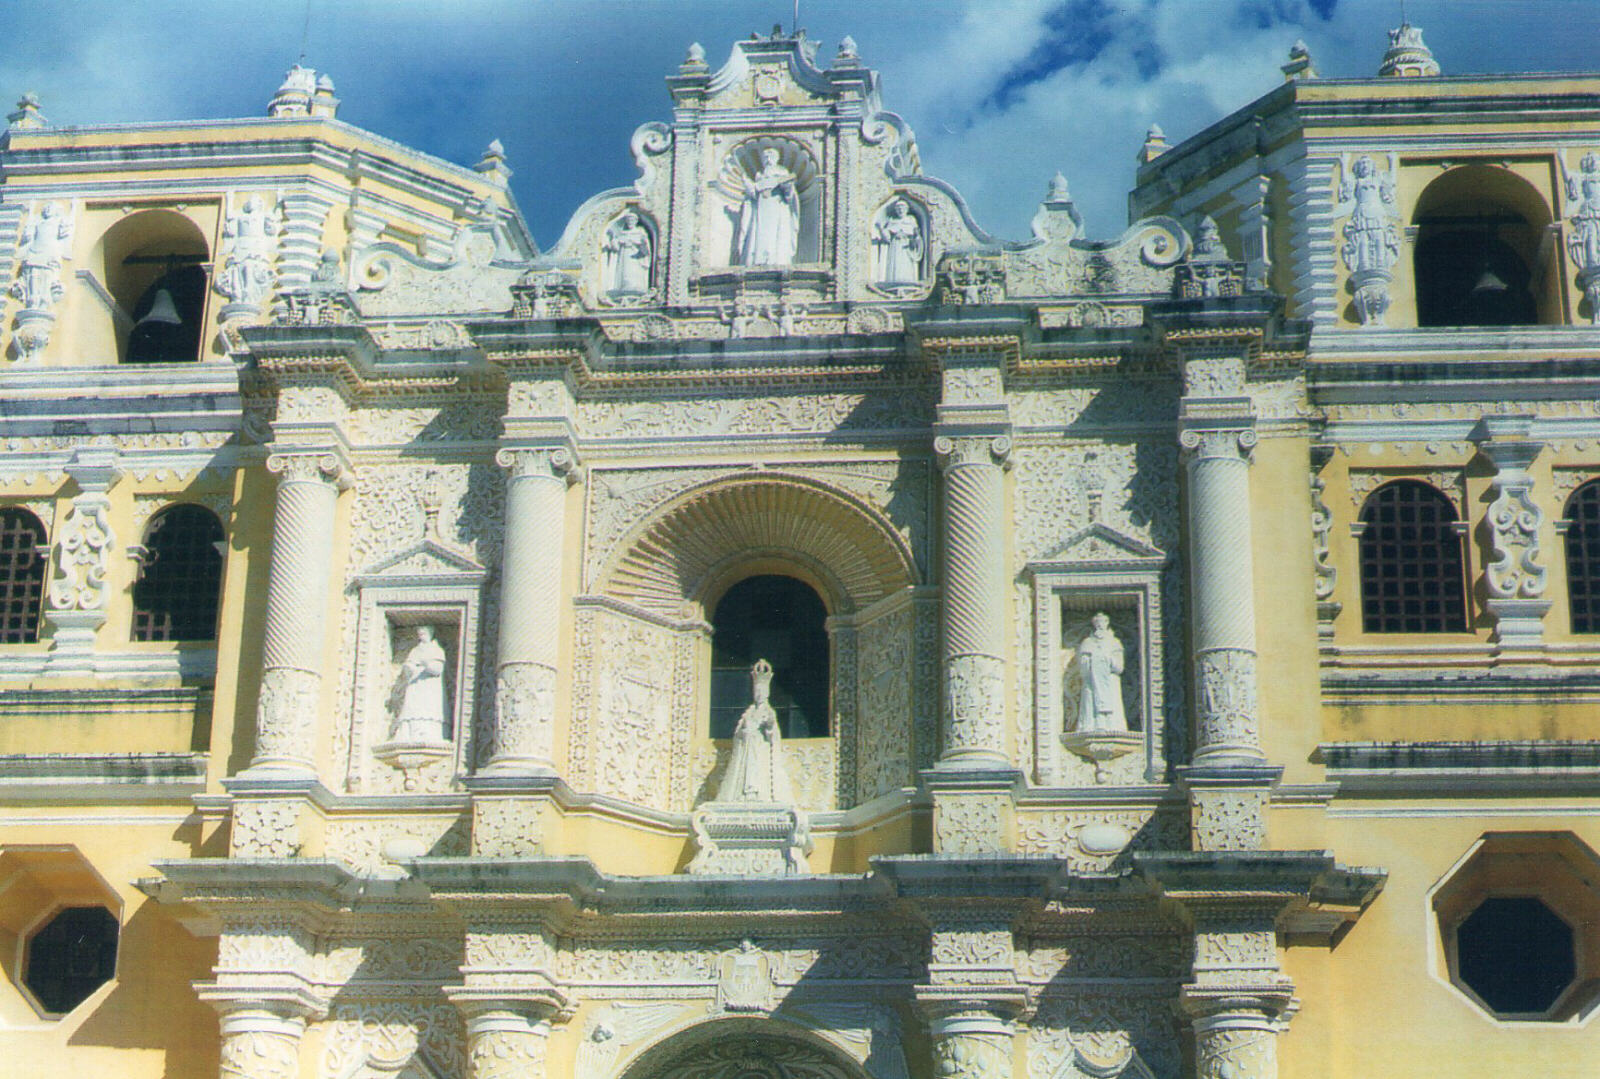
point(323, 465)
point(501, 1004)
point(1231, 440)
point(540, 462)
point(95, 469)
point(958, 450)
point(276, 1008)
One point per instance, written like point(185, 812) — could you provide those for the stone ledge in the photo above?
point(58, 777)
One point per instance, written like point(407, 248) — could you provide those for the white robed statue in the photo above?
point(419, 716)
point(769, 217)
point(1100, 662)
point(755, 770)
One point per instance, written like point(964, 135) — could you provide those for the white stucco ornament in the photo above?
point(769, 215)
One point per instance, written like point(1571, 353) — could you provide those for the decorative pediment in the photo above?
point(423, 563)
point(1102, 547)
point(473, 274)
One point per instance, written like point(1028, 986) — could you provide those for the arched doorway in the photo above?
point(745, 1049)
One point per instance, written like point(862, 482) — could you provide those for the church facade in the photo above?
point(783, 631)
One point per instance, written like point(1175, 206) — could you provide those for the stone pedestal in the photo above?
point(81, 563)
point(759, 838)
point(508, 1032)
point(261, 1030)
point(1514, 579)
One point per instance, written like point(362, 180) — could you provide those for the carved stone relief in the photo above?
point(375, 1039)
point(1096, 840)
point(360, 842)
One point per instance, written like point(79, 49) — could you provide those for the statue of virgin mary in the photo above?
point(755, 770)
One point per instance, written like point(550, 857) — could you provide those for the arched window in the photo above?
point(1583, 557)
point(21, 575)
point(176, 596)
point(151, 268)
point(782, 621)
point(1477, 256)
point(1412, 568)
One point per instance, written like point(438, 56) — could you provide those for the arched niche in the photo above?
point(138, 258)
point(643, 665)
point(1480, 257)
point(746, 1048)
point(743, 161)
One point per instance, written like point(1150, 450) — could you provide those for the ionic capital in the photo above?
point(544, 462)
point(1224, 443)
point(959, 451)
point(311, 467)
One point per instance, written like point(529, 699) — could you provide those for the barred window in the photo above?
point(782, 621)
point(1413, 576)
point(1583, 557)
point(176, 596)
point(21, 576)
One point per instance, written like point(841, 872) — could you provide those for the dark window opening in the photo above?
point(72, 956)
point(176, 596)
point(22, 570)
point(1516, 954)
point(167, 318)
point(1469, 275)
point(1583, 558)
point(782, 621)
point(1413, 576)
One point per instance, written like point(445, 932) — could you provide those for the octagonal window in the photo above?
point(70, 956)
point(1517, 918)
point(1516, 954)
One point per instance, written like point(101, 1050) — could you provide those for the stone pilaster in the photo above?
point(506, 1038)
point(976, 593)
point(79, 590)
point(530, 608)
point(972, 996)
point(1238, 999)
point(294, 646)
point(305, 219)
point(1514, 579)
point(510, 996)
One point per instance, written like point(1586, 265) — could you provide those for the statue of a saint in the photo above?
point(768, 231)
point(1371, 240)
point(1583, 242)
point(627, 250)
point(252, 232)
point(419, 692)
point(755, 770)
point(46, 243)
point(1100, 661)
point(897, 241)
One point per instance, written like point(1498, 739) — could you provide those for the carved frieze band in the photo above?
point(1227, 722)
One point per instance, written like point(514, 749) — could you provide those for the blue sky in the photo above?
point(1001, 93)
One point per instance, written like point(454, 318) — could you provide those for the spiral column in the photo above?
point(530, 609)
point(975, 596)
point(295, 634)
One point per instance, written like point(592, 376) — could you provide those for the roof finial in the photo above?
point(1299, 65)
point(1155, 144)
point(1408, 57)
point(27, 115)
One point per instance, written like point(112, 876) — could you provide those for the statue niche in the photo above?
point(899, 247)
point(772, 208)
point(418, 704)
point(628, 251)
point(1097, 694)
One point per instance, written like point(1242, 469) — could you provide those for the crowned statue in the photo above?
point(755, 771)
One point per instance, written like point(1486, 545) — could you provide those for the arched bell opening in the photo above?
point(153, 266)
point(1482, 257)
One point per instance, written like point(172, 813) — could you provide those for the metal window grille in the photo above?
point(21, 576)
point(1583, 558)
point(1412, 567)
point(176, 596)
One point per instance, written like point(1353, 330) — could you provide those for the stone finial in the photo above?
point(323, 101)
point(1058, 189)
point(293, 98)
point(1058, 219)
point(1407, 57)
point(493, 164)
point(1155, 144)
point(27, 115)
point(848, 56)
point(1300, 65)
point(695, 58)
point(1208, 245)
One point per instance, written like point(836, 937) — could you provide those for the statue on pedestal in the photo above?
point(419, 692)
point(897, 242)
point(627, 251)
point(46, 243)
point(1100, 661)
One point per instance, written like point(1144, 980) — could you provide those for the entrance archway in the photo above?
point(745, 1049)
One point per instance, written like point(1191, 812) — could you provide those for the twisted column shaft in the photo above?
point(530, 610)
point(975, 596)
point(295, 634)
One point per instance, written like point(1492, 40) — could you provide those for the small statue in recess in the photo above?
point(252, 233)
point(46, 243)
point(755, 770)
point(1371, 241)
point(1100, 661)
point(897, 242)
point(628, 248)
point(768, 231)
point(419, 711)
